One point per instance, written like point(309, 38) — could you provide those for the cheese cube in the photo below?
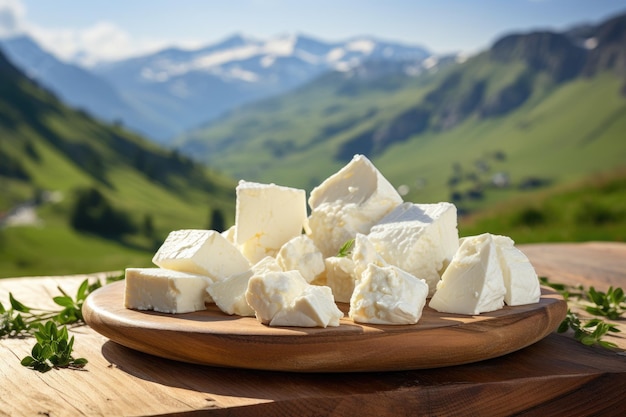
point(267, 216)
point(204, 252)
point(418, 238)
point(520, 278)
point(271, 292)
point(315, 307)
point(301, 254)
point(349, 202)
point(340, 277)
point(230, 294)
point(388, 295)
point(473, 282)
point(164, 290)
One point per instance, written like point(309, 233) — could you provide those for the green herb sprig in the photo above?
point(53, 348)
point(590, 331)
point(346, 249)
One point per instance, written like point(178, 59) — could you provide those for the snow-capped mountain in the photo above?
point(74, 85)
point(189, 87)
point(166, 93)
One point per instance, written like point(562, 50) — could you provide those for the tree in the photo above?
point(216, 221)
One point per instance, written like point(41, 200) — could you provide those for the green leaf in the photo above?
point(17, 306)
point(346, 249)
point(64, 301)
point(28, 361)
point(82, 293)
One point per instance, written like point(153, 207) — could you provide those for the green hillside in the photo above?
point(535, 110)
point(133, 192)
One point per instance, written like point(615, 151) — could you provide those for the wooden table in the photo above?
point(556, 376)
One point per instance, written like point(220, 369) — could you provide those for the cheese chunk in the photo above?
point(388, 295)
point(266, 217)
point(520, 279)
point(349, 202)
point(418, 238)
point(230, 294)
point(271, 292)
point(363, 254)
point(473, 282)
point(164, 290)
point(301, 254)
point(340, 277)
point(204, 252)
point(315, 307)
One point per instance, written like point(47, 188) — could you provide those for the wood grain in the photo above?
point(211, 337)
point(555, 376)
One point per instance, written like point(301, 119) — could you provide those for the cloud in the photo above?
point(102, 41)
point(12, 14)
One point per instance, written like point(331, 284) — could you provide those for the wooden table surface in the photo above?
point(556, 376)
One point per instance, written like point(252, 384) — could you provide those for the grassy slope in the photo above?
point(562, 137)
point(55, 248)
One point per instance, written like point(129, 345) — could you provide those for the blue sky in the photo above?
point(108, 29)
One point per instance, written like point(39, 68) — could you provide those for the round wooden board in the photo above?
point(211, 337)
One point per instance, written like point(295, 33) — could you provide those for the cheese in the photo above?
point(363, 254)
point(229, 234)
point(230, 294)
point(270, 292)
point(340, 277)
point(301, 254)
point(520, 279)
point(266, 217)
point(315, 307)
point(388, 295)
point(164, 290)
point(473, 282)
point(204, 252)
point(418, 238)
point(349, 202)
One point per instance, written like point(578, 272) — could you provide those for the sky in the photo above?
point(112, 29)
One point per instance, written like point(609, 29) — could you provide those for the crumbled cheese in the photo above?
point(315, 307)
point(301, 254)
point(388, 295)
point(349, 202)
point(418, 238)
point(340, 277)
point(230, 294)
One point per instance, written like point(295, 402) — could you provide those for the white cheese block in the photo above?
point(266, 217)
point(315, 307)
point(230, 294)
point(520, 278)
point(229, 234)
point(204, 252)
point(473, 282)
point(388, 295)
point(419, 238)
point(340, 277)
point(301, 254)
point(270, 292)
point(164, 290)
point(349, 202)
point(363, 254)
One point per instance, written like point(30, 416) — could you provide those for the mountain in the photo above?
point(95, 196)
point(184, 88)
point(74, 85)
point(534, 109)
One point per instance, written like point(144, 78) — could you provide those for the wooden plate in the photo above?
point(211, 337)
